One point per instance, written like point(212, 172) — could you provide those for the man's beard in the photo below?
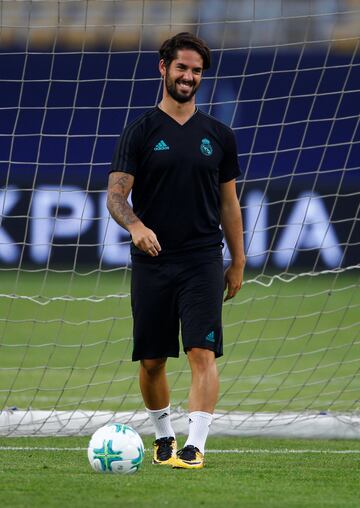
point(171, 89)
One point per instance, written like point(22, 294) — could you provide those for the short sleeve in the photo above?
point(127, 150)
point(229, 166)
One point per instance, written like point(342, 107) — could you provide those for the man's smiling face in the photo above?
point(183, 76)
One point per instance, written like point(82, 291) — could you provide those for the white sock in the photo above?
point(160, 418)
point(199, 425)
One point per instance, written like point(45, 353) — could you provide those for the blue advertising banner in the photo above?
point(296, 118)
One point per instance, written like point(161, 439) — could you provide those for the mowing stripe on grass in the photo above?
point(275, 451)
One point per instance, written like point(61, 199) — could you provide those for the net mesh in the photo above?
point(285, 77)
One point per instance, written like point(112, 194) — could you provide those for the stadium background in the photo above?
point(285, 76)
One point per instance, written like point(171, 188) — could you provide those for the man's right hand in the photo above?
point(144, 238)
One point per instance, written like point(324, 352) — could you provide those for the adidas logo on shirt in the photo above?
point(161, 146)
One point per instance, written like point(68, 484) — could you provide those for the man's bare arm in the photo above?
point(232, 225)
point(119, 187)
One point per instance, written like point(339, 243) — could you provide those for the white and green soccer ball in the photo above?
point(116, 448)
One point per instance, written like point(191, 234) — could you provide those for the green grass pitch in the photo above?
point(287, 347)
point(290, 346)
point(265, 474)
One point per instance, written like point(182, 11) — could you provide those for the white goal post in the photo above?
point(285, 76)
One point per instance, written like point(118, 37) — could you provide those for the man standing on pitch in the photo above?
point(181, 165)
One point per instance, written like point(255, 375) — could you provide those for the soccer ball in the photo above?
point(116, 448)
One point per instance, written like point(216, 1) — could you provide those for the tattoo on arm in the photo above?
point(120, 209)
point(118, 206)
point(121, 181)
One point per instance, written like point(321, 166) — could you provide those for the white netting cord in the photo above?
point(291, 337)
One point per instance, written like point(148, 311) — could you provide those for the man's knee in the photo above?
point(200, 358)
point(154, 366)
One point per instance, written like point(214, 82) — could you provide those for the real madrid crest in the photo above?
point(205, 147)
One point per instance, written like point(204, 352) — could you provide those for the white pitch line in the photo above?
point(243, 451)
point(40, 449)
point(281, 451)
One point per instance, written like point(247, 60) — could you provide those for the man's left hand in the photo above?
point(233, 279)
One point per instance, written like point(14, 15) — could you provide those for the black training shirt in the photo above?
point(177, 170)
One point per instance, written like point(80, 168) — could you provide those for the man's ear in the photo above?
point(162, 68)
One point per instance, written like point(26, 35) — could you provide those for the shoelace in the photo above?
point(188, 452)
point(164, 450)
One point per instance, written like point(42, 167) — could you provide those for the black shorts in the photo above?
point(167, 294)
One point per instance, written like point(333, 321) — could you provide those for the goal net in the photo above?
point(285, 76)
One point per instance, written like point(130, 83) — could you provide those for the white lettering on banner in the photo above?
point(308, 227)
point(114, 241)
point(58, 213)
point(66, 213)
point(9, 251)
point(255, 222)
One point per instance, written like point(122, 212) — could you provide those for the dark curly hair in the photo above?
point(184, 40)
